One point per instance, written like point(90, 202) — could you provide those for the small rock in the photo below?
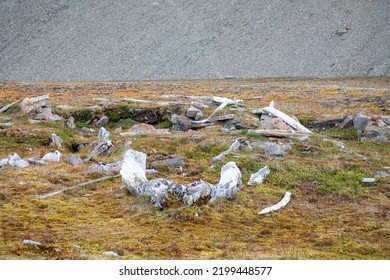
point(180, 123)
point(36, 161)
point(383, 173)
point(266, 124)
point(56, 141)
point(347, 122)
point(102, 122)
point(368, 180)
point(376, 135)
point(271, 148)
point(258, 112)
point(199, 105)
point(359, 123)
point(194, 113)
point(141, 128)
point(172, 163)
point(56, 156)
point(74, 160)
point(381, 124)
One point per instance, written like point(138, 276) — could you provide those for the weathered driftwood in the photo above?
point(7, 107)
point(78, 186)
point(286, 118)
point(278, 205)
point(161, 190)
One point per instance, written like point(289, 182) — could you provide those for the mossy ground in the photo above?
point(332, 215)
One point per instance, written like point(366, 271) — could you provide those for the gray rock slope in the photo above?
point(89, 40)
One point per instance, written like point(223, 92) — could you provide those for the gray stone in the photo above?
point(174, 162)
point(102, 122)
point(266, 124)
point(376, 135)
point(199, 105)
point(347, 122)
point(74, 160)
point(56, 141)
point(194, 113)
point(383, 173)
point(381, 124)
point(360, 123)
point(36, 161)
point(180, 123)
point(259, 112)
point(271, 148)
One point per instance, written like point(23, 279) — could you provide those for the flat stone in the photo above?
point(172, 163)
point(194, 113)
point(36, 161)
point(102, 122)
point(271, 148)
point(180, 123)
point(383, 173)
point(258, 111)
point(347, 122)
point(74, 160)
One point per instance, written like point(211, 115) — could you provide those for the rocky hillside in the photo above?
point(69, 40)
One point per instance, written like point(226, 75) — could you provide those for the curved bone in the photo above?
point(278, 205)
